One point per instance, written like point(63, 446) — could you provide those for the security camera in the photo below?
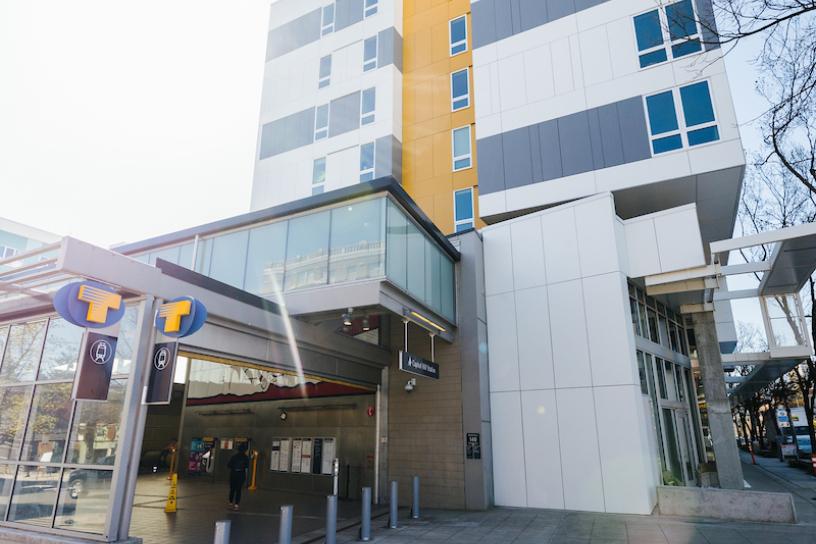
point(410, 385)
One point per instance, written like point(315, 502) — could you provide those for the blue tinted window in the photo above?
point(686, 48)
point(703, 135)
point(458, 35)
point(655, 57)
point(464, 205)
point(648, 31)
point(680, 17)
point(367, 162)
point(697, 107)
point(670, 143)
point(662, 115)
point(459, 90)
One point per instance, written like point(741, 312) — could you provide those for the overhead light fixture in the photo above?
point(283, 415)
point(427, 321)
point(347, 317)
point(366, 325)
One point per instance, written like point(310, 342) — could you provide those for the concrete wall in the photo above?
point(708, 502)
point(428, 426)
point(569, 422)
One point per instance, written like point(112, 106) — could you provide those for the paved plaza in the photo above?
point(202, 503)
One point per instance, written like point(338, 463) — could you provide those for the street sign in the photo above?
point(162, 370)
point(417, 365)
point(95, 367)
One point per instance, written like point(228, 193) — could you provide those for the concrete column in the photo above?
point(729, 467)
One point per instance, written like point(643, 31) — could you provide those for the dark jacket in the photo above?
point(239, 462)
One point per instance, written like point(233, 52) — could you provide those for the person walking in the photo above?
point(238, 466)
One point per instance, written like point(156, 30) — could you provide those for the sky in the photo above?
point(123, 120)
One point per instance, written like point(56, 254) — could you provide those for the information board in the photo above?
point(329, 453)
point(275, 455)
point(285, 454)
point(297, 450)
point(306, 456)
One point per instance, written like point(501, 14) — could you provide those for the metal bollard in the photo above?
point(365, 517)
point(415, 505)
point(285, 531)
point(331, 519)
point(222, 532)
point(392, 506)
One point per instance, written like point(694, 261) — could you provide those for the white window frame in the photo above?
point(367, 118)
point(469, 155)
point(459, 222)
point(318, 131)
point(373, 161)
point(371, 64)
point(370, 8)
point(327, 27)
point(455, 99)
point(7, 252)
point(668, 43)
point(679, 111)
point(324, 81)
point(464, 42)
point(319, 185)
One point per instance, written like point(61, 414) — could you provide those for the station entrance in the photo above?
point(297, 431)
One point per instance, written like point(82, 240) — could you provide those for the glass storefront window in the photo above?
point(13, 411)
point(266, 255)
point(228, 258)
point(48, 423)
point(396, 241)
point(22, 352)
point(61, 351)
point(661, 378)
point(644, 388)
point(307, 251)
point(415, 242)
point(95, 433)
point(34, 495)
point(633, 306)
point(671, 444)
point(83, 500)
point(357, 246)
point(652, 318)
point(6, 483)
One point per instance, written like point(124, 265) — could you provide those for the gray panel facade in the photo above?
point(347, 12)
point(288, 133)
point(705, 14)
point(589, 140)
point(389, 48)
point(292, 35)
point(344, 114)
point(494, 20)
point(388, 158)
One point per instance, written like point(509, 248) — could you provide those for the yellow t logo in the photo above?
point(172, 312)
point(99, 302)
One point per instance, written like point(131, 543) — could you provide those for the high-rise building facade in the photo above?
point(360, 89)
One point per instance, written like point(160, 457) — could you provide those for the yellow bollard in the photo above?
point(173, 462)
point(170, 507)
point(253, 484)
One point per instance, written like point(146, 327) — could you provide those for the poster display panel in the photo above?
point(285, 454)
point(275, 455)
point(329, 453)
point(297, 449)
point(306, 456)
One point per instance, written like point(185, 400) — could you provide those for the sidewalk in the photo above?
point(528, 526)
point(769, 474)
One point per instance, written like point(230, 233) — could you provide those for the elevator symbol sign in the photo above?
point(101, 352)
point(162, 358)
